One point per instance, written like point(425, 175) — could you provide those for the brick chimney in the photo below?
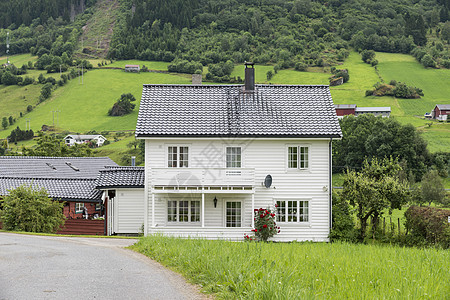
point(249, 86)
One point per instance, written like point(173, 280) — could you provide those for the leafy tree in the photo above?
point(11, 120)
point(5, 123)
point(46, 91)
point(269, 75)
point(343, 226)
point(375, 188)
point(368, 137)
point(367, 56)
point(29, 209)
point(432, 188)
point(123, 106)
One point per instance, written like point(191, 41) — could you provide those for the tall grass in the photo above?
point(304, 270)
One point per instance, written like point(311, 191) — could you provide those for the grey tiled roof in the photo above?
point(345, 106)
point(53, 167)
point(121, 177)
point(443, 106)
point(58, 189)
point(224, 110)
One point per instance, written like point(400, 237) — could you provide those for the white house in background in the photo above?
point(385, 112)
point(73, 139)
point(132, 68)
point(215, 153)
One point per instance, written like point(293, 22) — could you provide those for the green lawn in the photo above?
point(15, 99)
point(19, 60)
point(152, 65)
point(239, 270)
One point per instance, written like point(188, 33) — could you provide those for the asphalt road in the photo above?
point(41, 267)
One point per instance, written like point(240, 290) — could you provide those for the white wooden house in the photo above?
point(210, 149)
point(73, 139)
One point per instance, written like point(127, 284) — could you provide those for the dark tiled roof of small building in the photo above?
point(58, 189)
point(226, 111)
point(53, 167)
point(114, 177)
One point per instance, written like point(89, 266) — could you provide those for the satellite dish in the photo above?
point(268, 181)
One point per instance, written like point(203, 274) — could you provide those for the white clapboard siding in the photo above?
point(129, 211)
point(265, 157)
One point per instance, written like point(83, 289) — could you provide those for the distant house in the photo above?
point(344, 109)
point(68, 179)
point(441, 111)
point(351, 109)
point(132, 68)
point(376, 111)
point(73, 139)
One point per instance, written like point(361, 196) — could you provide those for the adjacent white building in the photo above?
point(73, 139)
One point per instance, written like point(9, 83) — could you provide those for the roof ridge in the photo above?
point(48, 178)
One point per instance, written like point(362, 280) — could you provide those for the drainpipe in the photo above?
point(330, 161)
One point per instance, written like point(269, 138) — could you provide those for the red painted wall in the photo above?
point(345, 111)
point(69, 210)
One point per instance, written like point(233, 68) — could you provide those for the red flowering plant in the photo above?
point(265, 225)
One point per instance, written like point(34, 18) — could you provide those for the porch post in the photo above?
point(253, 209)
point(153, 209)
point(203, 208)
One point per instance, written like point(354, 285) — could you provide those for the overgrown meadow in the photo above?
point(241, 270)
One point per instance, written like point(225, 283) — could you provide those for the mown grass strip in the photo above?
point(304, 270)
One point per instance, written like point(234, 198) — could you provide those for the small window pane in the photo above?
point(281, 211)
point(304, 157)
point(172, 159)
point(195, 211)
point(292, 211)
point(304, 211)
point(183, 211)
point(172, 211)
point(184, 157)
point(233, 157)
point(292, 157)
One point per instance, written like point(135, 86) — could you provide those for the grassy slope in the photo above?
point(304, 270)
point(84, 107)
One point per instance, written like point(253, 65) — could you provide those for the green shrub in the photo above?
point(428, 225)
point(343, 227)
point(265, 225)
point(123, 106)
point(31, 210)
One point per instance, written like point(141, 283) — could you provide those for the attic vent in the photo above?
point(51, 166)
point(72, 166)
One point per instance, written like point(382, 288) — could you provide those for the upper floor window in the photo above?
point(298, 157)
point(234, 157)
point(178, 157)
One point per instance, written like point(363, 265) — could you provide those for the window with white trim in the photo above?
point(178, 156)
point(292, 211)
point(183, 211)
point(233, 214)
point(234, 157)
point(298, 157)
point(79, 207)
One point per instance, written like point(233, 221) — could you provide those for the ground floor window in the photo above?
point(233, 214)
point(292, 211)
point(79, 207)
point(98, 206)
point(183, 211)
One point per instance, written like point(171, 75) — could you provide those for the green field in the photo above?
point(83, 107)
point(233, 270)
point(18, 60)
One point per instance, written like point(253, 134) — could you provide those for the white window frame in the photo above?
point(177, 213)
point(299, 155)
point(226, 157)
point(225, 214)
point(299, 217)
point(178, 147)
point(79, 207)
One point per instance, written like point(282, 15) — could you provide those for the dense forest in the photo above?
point(315, 33)
point(42, 26)
point(190, 33)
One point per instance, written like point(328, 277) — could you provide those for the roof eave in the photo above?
point(141, 135)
